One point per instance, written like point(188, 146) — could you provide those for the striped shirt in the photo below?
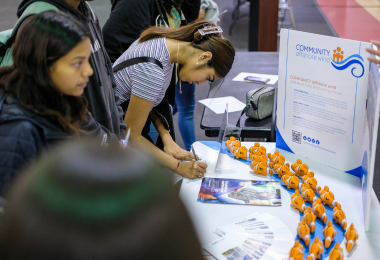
point(145, 80)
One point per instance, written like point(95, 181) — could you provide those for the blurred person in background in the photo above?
point(83, 201)
point(105, 117)
point(375, 52)
point(41, 100)
point(202, 55)
point(127, 20)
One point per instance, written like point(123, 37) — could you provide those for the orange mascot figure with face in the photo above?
point(261, 151)
point(229, 142)
point(336, 253)
point(241, 152)
point(329, 232)
point(310, 218)
point(351, 236)
point(339, 216)
point(298, 202)
point(319, 210)
point(315, 249)
point(307, 193)
point(234, 146)
point(296, 253)
point(261, 168)
point(300, 168)
point(291, 181)
point(309, 179)
point(303, 232)
point(327, 196)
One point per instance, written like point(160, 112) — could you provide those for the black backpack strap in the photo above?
point(136, 60)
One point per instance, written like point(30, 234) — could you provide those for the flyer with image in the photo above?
point(234, 191)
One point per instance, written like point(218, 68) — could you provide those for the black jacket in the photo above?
point(23, 135)
point(103, 101)
point(129, 18)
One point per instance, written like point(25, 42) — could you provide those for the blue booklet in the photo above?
point(234, 191)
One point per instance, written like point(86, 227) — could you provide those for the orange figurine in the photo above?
point(339, 216)
point(241, 153)
point(276, 158)
point(234, 146)
point(336, 253)
point(319, 210)
point(351, 236)
point(261, 151)
point(291, 181)
point(303, 232)
point(280, 169)
point(229, 142)
point(254, 148)
point(296, 253)
point(262, 169)
point(310, 218)
point(261, 158)
point(307, 193)
point(300, 168)
point(298, 202)
point(329, 232)
point(309, 179)
point(315, 249)
point(327, 196)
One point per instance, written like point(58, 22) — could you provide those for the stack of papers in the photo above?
point(258, 236)
point(235, 191)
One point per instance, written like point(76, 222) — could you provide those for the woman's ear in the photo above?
point(205, 56)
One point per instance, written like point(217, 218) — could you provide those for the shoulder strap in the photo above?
point(92, 12)
point(136, 60)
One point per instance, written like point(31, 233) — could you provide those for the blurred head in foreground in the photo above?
point(86, 202)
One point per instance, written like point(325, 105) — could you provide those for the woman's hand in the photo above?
point(171, 148)
point(192, 170)
point(375, 52)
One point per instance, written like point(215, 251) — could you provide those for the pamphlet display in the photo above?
point(233, 191)
point(328, 103)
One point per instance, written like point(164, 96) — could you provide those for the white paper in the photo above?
point(218, 105)
point(242, 75)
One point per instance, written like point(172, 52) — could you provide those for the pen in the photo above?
point(195, 156)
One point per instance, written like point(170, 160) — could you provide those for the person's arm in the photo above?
point(374, 52)
point(135, 118)
point(170, 147)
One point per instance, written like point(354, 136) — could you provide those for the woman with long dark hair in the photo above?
point(202, 54)
point(41, 98)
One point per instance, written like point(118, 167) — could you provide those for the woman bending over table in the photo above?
point(202, 54)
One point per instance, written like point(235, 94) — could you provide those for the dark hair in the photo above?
point(223, 53)
point(83, 201)
point(43, 40)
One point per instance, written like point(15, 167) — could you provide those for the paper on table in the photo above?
point(242, 75)
point(218, 105)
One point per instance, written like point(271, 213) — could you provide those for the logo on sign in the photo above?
point(354, 61)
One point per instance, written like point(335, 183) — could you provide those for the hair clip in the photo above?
point(210, 30)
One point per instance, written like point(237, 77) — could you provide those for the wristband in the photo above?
point(175, 171)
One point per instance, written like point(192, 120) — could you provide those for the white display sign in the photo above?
point(323, 91)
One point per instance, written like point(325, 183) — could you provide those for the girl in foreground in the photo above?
point(41, 93)
point(202, 54)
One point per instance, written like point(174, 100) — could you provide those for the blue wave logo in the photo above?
point(353, 60)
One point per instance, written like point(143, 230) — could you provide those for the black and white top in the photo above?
point(145, 80)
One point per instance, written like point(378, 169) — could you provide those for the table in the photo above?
point(255, 62)
point(346, 188)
